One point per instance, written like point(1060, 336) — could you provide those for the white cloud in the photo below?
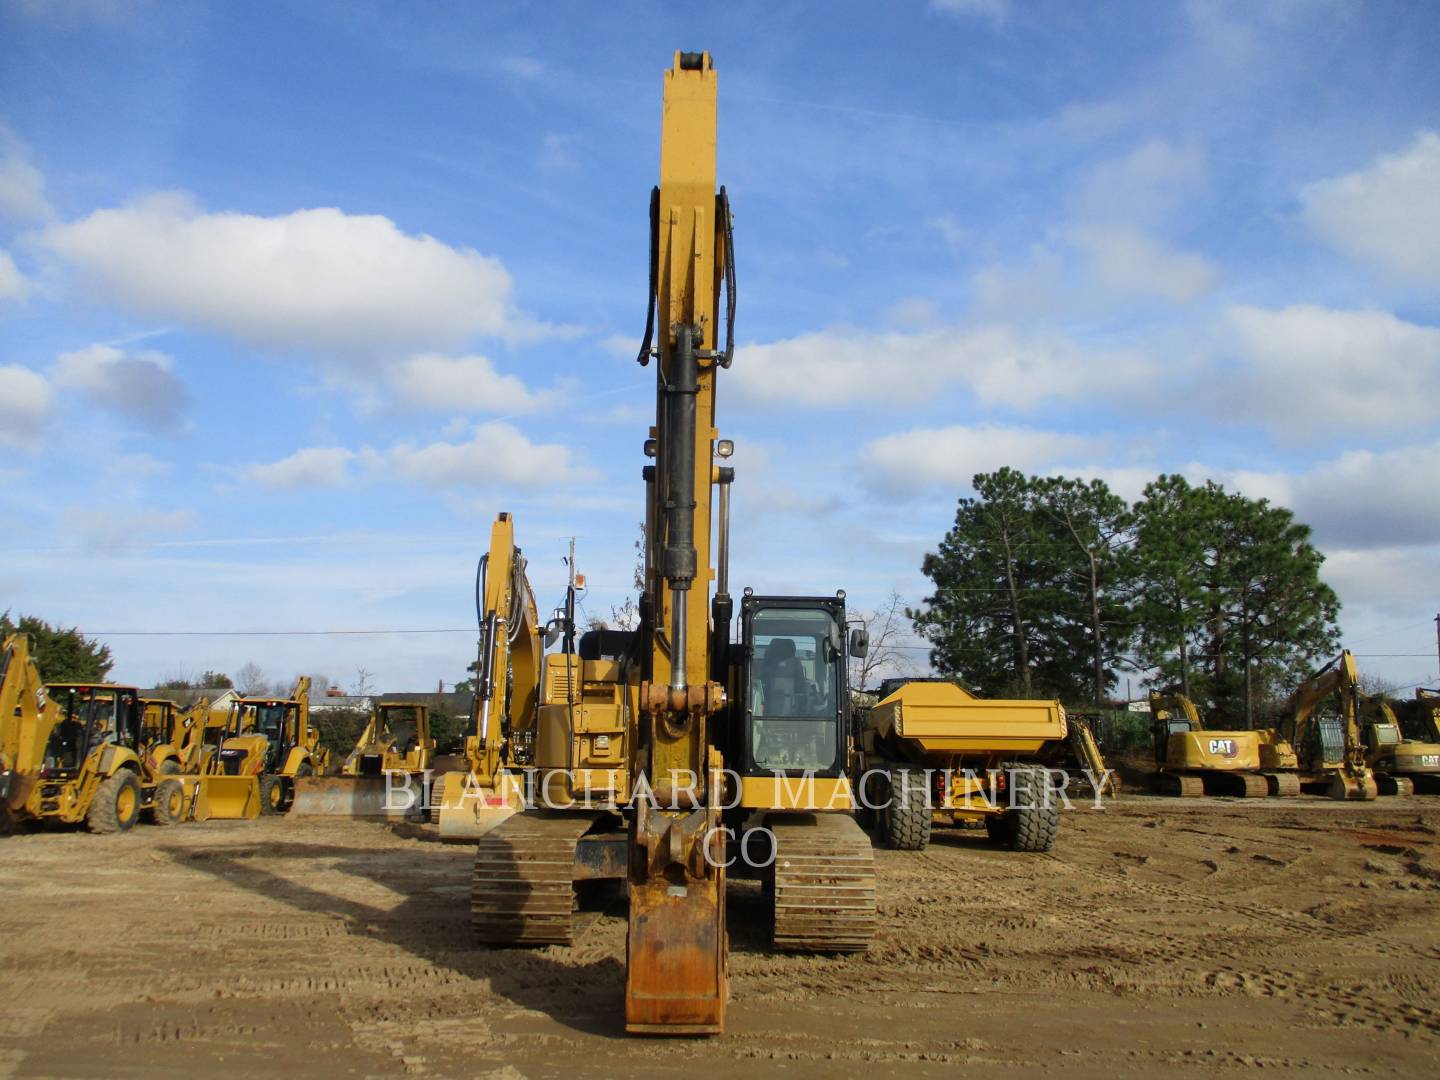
point(949, 457)
point(141, 386)
point(1144, 186)
point(22, 187)
point(314, 467)
point(13, 285)
point(25, 400)
point(1130, 263)
point(101, 531)
point(1384, 580)
point(1361, 498)
point(496, 455)
point(996, 11)
point(621, 346)
point(316, 278)
point(995, 363)
point(462, 384)
point(1388, 214)
point(1309, 370)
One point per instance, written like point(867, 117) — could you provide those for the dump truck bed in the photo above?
point(940, 717)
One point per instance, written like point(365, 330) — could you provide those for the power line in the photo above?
point(268, 633)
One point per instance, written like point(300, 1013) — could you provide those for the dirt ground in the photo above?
point(1186, 936)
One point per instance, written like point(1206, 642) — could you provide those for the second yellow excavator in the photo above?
point(1192, 759)
point(1328, 744)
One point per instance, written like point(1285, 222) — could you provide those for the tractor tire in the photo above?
point(304, 769)
point(272, 794)
point(1034, 822)
point(906, 821)
point(169, 768)
point(116, 805)
point(169, 805)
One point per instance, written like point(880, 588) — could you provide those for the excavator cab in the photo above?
point(793, 686)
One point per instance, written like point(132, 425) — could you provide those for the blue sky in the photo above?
point(295, 297)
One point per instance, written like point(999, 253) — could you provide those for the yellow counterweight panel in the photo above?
point(806, 793)
point(1214, 750)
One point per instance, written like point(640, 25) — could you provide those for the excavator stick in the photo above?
point(675, 983)
point(226, 798)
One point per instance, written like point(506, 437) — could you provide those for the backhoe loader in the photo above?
point(27, 717)
point(1329, 746)
point(1193, 760)
point(271, 738)
point(92, 769)
point(384, 776)
point(723, 741)
point(173, 737)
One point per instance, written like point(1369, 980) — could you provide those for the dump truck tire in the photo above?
point(169, 805)
point(116, 805)
point(1034, 823)
point(272, 794)
point(907, 820)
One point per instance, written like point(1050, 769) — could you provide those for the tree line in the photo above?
point(1045, 585)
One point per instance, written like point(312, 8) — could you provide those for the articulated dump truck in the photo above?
point(932, 753)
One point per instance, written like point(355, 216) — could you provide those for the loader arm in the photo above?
point(27, 717)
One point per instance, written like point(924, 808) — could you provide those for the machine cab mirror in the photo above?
point(859, 641)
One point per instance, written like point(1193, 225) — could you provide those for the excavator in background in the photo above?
point(1402, 765)
point(932, 753)
point(383, 777)
point(488, 788)
point(718, 741)
point(1194, 760)
point(271, 738)
point(1329, 746)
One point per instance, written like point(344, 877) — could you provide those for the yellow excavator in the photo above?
point(383, 777)
point(735, 752)
point(1328, 744)
point(470, 801)
point(272, 739)
point(1403, 765)
point(1192, 759)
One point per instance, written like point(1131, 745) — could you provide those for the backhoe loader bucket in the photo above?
point(227, 798)
point(468, 810)
point(377, 798)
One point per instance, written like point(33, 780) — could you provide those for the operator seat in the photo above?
point(783, 679)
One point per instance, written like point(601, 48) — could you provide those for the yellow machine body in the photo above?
point(27, 716)
point(384, 776)
point(1330, 748)
point(1193, 759)
point(272, 740)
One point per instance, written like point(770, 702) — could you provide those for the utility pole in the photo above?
point(1437, 640)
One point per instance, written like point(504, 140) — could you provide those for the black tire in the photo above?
point(999, 827)
point(169, 767)
point(304, 769)
point(168, 807)
point(116, 805)
point(272, 794)
point(906, 821)
point(1035, 819)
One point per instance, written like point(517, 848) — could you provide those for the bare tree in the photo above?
point(250, 680)
point(887, 626)
point(364, 682)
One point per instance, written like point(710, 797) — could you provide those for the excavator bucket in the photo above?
point(227, 798)
point(376, 798)
point(468, 810)
point(1346, 786)
point(675, 982)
